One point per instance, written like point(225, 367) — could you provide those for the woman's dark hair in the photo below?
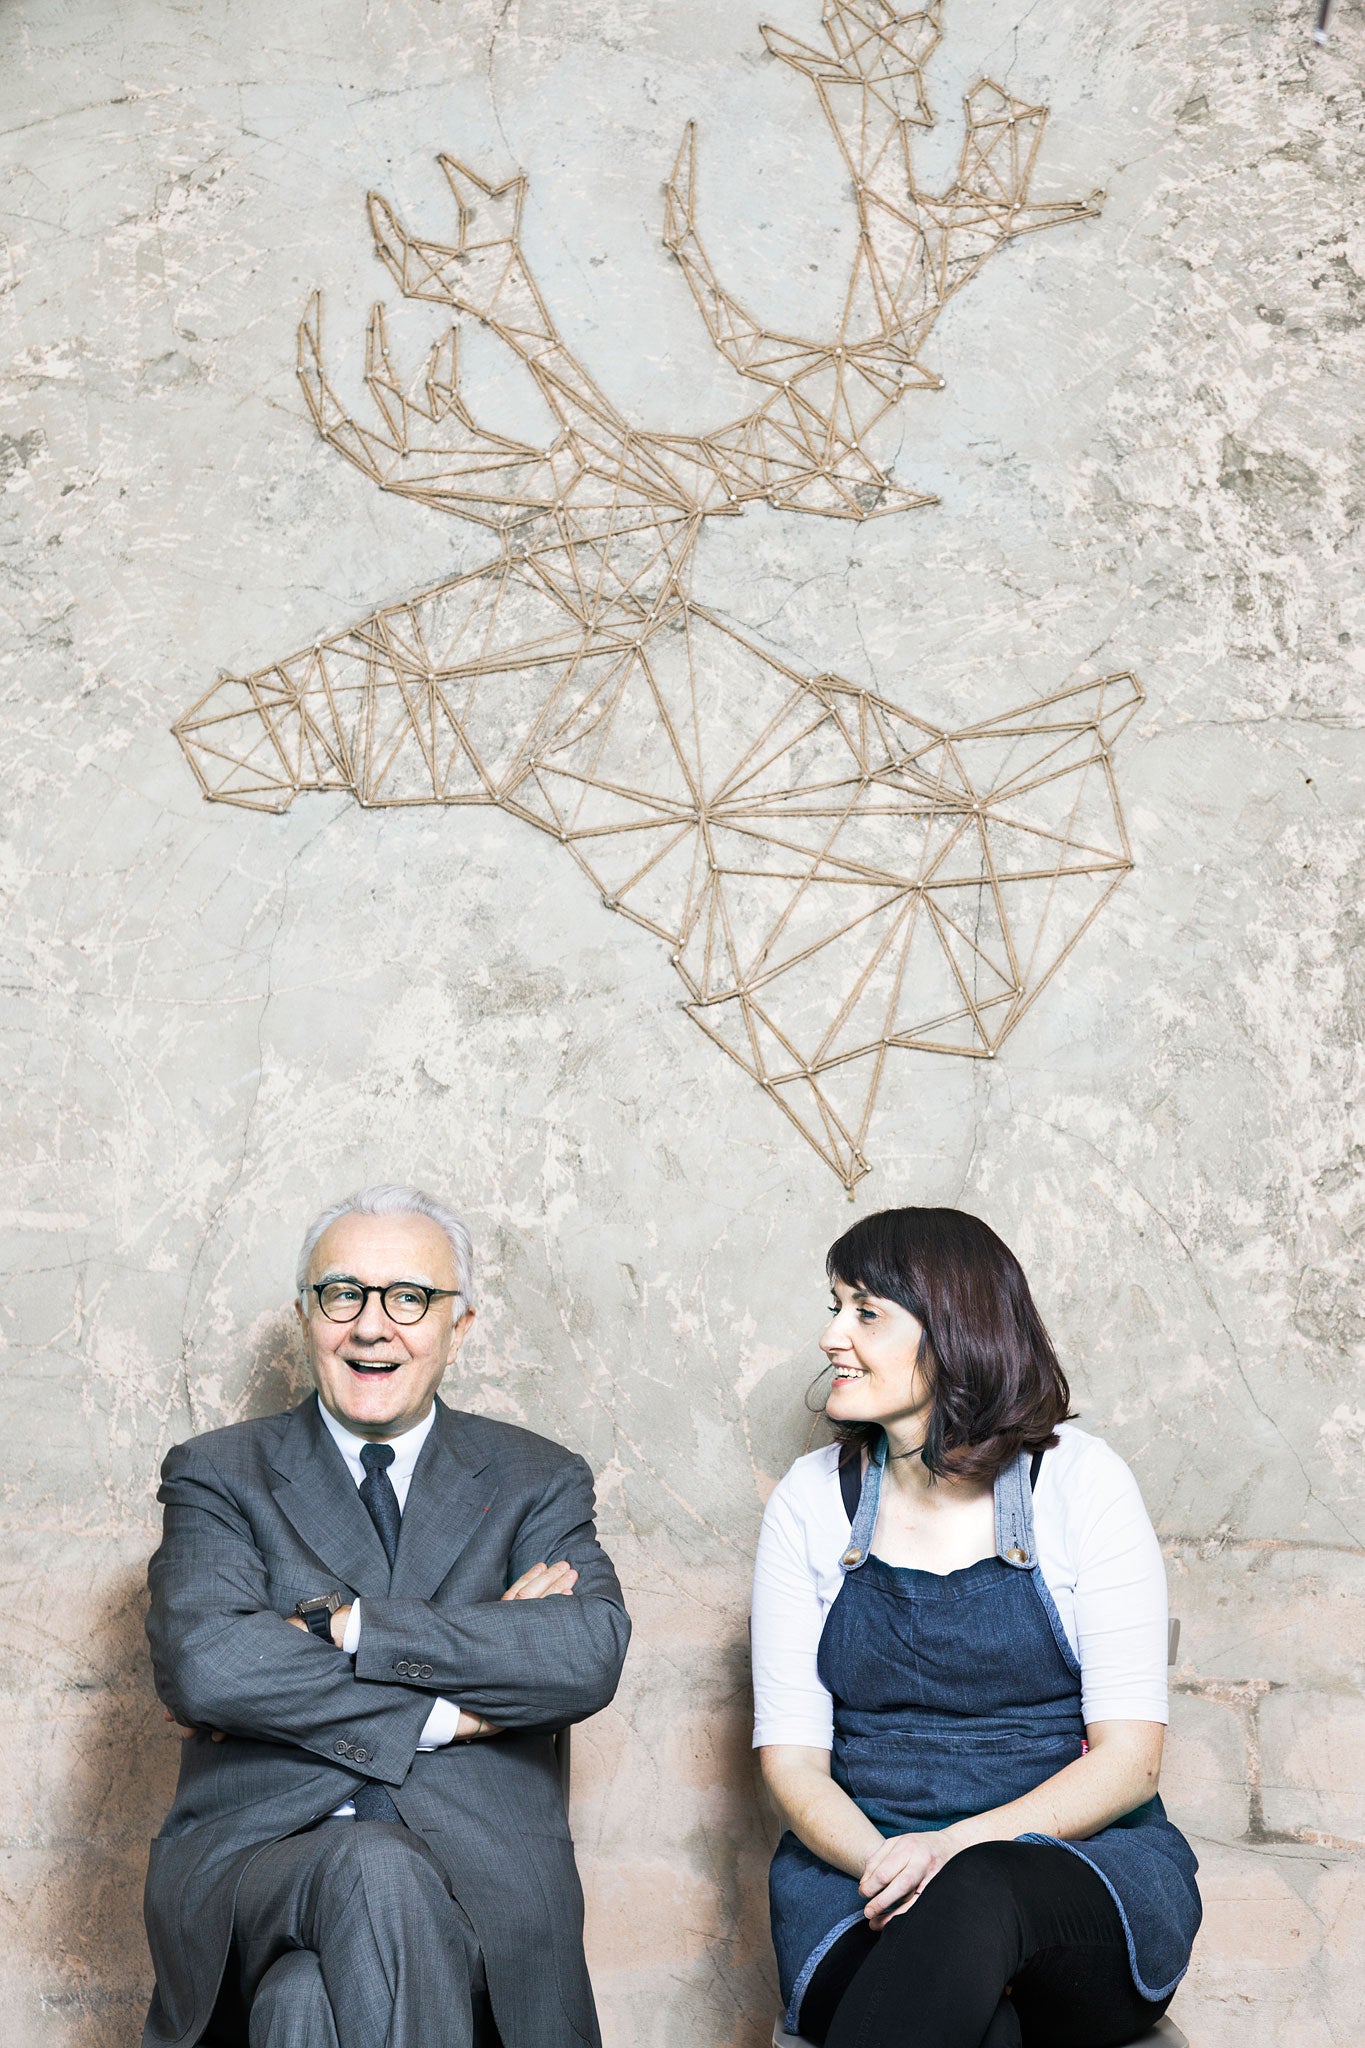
point(997, 1386)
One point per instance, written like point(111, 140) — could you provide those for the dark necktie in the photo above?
point(376, 1490)
point(372, 1801)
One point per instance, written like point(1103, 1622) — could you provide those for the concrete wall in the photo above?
point(1148, 455)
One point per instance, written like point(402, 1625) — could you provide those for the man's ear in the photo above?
point(459, 1331)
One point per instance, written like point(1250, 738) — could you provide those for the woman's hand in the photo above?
point(1117, 1773)
point(897, 1872)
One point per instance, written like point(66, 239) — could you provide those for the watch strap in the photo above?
point(317, 1613)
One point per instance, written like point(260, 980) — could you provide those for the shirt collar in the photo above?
point(405, 1448)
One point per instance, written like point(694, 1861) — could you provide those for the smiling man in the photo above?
point(370, 1616)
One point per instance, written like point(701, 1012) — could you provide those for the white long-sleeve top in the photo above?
point(1096, 1549)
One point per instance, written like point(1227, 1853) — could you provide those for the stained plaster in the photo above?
point(1147, 456)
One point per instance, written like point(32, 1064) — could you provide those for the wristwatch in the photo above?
point(318, 1612)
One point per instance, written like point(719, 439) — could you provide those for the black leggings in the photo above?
point(1012, 1944)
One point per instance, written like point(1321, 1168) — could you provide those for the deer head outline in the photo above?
point(832, 876)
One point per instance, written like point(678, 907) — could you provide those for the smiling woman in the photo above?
point(984, 1375)
point(959, 1631)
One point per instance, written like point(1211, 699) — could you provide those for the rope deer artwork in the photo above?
point(832, 876)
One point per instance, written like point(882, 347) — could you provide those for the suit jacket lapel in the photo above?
point(316, 1492)
point(451, 1491)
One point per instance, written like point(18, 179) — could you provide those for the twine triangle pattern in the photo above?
point(832, 876)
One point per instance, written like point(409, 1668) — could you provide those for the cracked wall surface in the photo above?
point(1148, 456)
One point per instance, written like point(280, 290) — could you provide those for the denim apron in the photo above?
point(954, 1693)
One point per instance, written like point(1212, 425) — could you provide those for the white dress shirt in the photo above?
point(1097, 1552)
point(444, 1718)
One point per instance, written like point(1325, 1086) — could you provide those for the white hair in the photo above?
point(393, 1201)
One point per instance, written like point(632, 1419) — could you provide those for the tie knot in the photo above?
point(376, 1457)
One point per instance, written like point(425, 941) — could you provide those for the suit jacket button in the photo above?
point(362, 1756)
point(340, 1748)
point(401, 1667)
point(426, 1671)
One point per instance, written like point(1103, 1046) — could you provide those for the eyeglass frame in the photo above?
point(416, 1286)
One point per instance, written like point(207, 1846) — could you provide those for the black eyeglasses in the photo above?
point(404, 1301)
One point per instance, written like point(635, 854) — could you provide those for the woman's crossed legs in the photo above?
point(1022, 1914)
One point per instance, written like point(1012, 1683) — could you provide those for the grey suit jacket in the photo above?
point(263, 1514)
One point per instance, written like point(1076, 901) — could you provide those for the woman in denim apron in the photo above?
point(975, 1855)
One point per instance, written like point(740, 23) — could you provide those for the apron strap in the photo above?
point(851, 1476)
point(865, 1492)
point(1013, 1506)
point(1014, 1511)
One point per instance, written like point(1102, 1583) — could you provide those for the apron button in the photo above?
point(852, 1557)
point(1016, 1555)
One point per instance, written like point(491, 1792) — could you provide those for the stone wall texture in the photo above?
point(1148, 455)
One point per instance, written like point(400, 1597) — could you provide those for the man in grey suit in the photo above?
point(373, 1612)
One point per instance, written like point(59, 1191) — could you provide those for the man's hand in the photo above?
point(474, 1728)
point(895, 1875)
point(543, 1579)
point(536, 1584)
point(215, 1734)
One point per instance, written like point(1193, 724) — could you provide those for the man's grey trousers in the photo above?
point(346, 1937)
